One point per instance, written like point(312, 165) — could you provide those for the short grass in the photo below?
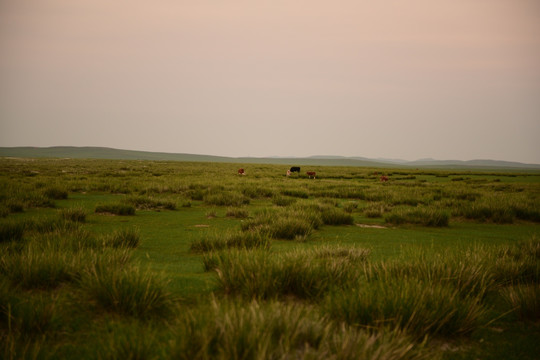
point(431, 264)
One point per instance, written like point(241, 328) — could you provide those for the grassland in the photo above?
point(162, 260)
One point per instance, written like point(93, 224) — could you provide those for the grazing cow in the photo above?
point(288, 172)
point(384, 178)
point(241, 172)
point(295, 169)
point(311, 173)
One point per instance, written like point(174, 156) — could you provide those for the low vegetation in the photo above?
point(201, 263)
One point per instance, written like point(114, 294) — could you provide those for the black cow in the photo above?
point(295, 169)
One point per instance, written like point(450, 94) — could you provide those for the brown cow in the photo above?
point(311, 173)
point(241, 172)
point(384, 178)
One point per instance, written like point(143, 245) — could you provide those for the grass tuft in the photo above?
point(115, 209)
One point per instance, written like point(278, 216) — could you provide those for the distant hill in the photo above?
point(320, 160)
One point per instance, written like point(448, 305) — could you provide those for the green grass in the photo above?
point(445, 282)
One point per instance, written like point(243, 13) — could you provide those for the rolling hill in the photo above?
point(320, 160)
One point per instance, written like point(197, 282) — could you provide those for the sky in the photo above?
point(443, 79)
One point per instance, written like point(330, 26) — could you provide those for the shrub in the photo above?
point(115, 209)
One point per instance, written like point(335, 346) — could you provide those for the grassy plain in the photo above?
point(148, 259)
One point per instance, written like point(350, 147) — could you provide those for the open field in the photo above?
point(155, 260)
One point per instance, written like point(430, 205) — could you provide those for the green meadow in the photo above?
point(128, 259)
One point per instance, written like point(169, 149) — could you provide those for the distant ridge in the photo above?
point(321, 160)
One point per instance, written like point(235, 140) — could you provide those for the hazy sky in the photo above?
point(448, 79)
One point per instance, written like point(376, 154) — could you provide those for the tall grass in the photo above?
point(75, 214)
point(128, 340)
point(115, 209)
point(123, 238)
point(421, 216)
point(264, 275)
point(233, 239)
point(11, 231)
point(524, 300)
point(150, 203)
point(130, 291)
point(279, 331)
point(226, 199)
point(465, 269)
point(285, 224)
point(415, 306)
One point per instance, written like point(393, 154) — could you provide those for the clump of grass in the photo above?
point(241, 240)
point(331, 215)
point(274, 330)
point(350, 253)
point(130, 292)
point(423, 216)
point(282, 200)
point(37, 268)
point(412, 305)
point(128, 340)
point(466, 271)
point(289, 228)
point(77, 214)
point(226, 199)
point(32, 316)
point(524, 300)
point(350, 206)
point(376, 210)
point(15, 206)
point(37, 199)
point(123, 238)
point(237, 212)
point(150, 203)
point(56, 193)
point(11, 230)
point(115, 209)
point(286, 225)
point(41, 225)
point(263, 275)
point(298, 193)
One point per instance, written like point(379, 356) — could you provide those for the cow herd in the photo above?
point(310, 174)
